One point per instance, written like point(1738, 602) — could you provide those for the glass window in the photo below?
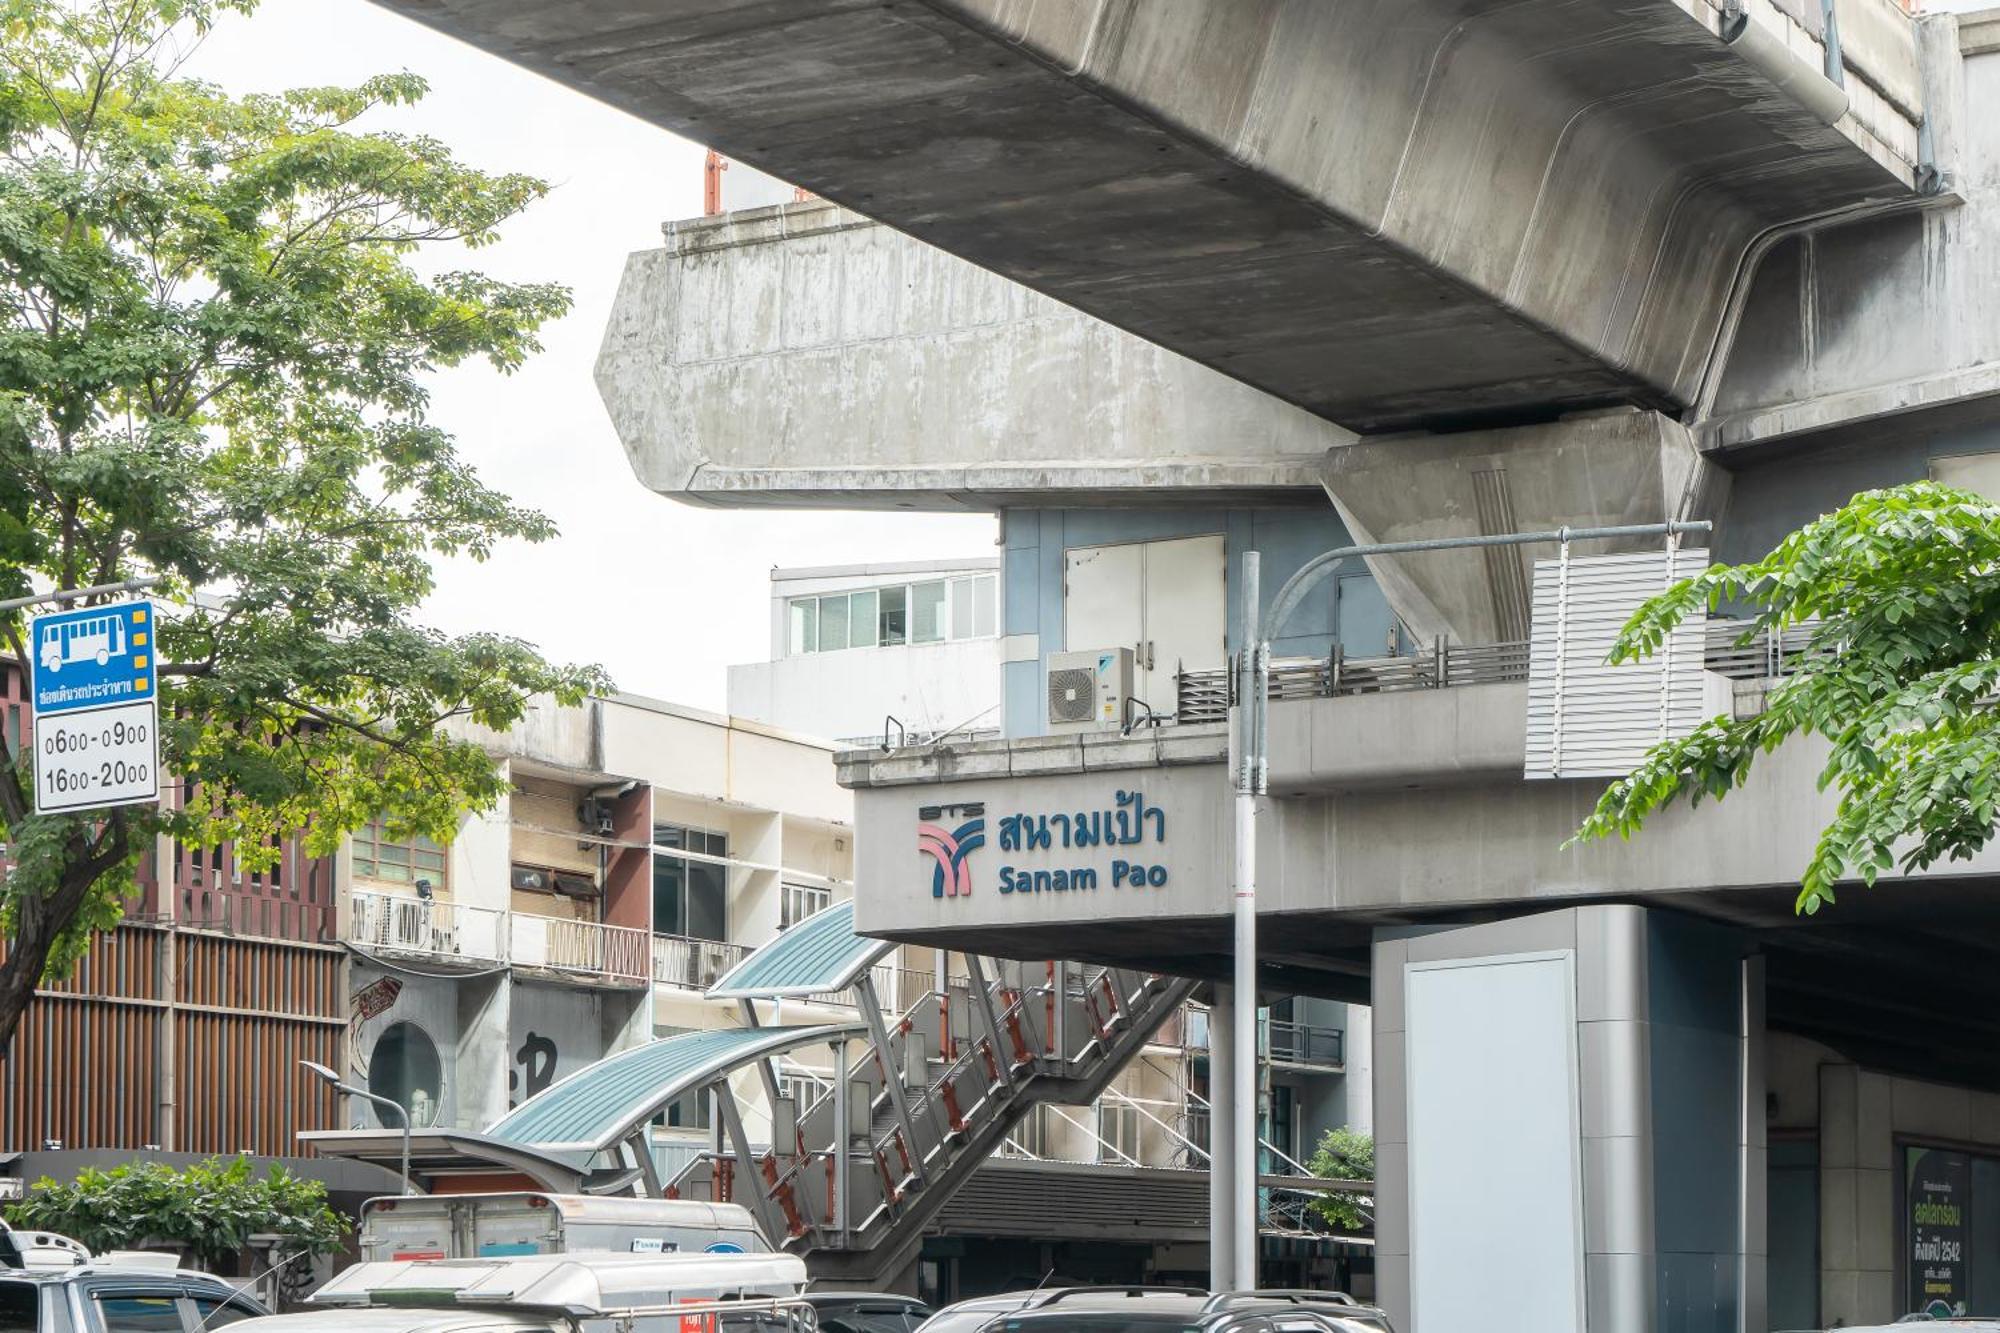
point(861, 620)
point(404, 1067)
point(401, 861)
point(138, 1314)
point(805, 624)
point(832, 624)
point(800, 901)
point(985, 622)
point(690, 898)
point(895, 615)
point(20, 1305)
point(961, 608)
point(927, 612)
point(1117, 1132)
point(212, 1313)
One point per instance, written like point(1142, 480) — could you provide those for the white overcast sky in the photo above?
point(663, 594)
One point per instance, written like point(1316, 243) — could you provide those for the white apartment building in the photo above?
point(641, 850)
point(909, 648)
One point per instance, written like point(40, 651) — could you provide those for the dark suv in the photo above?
point(113, 1297)
point(1151, 1309)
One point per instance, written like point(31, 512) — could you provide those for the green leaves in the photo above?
point(1344, 1154)
point(1898, 594)
point(213, 358)
point(210, 1210)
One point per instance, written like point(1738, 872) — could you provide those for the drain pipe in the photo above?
point(1820, 94)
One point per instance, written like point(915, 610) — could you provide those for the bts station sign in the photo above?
point(92, 675)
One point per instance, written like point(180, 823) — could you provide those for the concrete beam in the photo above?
point(1602, 469)
point(1391, 213)
point(803, 355)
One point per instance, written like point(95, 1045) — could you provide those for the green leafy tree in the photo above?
point(212, 365)
point(1345, 1154)
point(1899, 592)
point(210, 1210)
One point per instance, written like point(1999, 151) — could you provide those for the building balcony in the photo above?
point(579, 950)
point(686, 963)
point(1305, 1045)
point(479, 938)
point(436, 929)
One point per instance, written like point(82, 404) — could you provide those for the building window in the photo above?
point(404, 1067)
point(690, 897)
point(1117, 1132)
point(930, 612)
point(927, 612)
point(799, 901)
point(400, 861)
point(1030, 1137)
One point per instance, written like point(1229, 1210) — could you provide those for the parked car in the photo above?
point(116, 1294)
point(1145, 1309)
point(977, 1313)
point(1103, 1308)
point(866, 1312)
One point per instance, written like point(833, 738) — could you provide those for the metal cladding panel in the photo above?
point(1590, 720)
point(242, 1089)
point(69, 1054)
point(821, 953)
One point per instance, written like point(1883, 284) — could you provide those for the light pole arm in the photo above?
point(1314, 570)
point(409, 1185)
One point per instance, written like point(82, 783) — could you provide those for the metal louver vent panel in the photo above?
point(1072, 695)
point(1586, 719)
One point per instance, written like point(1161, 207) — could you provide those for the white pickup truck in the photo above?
point(495, 1226)
point(572, 1293)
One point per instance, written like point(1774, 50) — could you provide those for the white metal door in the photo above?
point(1102, 597)
point(1163, 599)
point(1184, 615)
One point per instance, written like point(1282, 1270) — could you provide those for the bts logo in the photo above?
point(950, 875)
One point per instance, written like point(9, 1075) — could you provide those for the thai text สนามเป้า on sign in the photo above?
point(1120, 846)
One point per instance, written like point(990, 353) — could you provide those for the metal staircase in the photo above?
point(929, 1094)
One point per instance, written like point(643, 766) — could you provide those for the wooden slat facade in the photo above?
point(183, 1028)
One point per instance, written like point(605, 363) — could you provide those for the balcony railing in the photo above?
point(1205, 696)
point(693, 964)
point(449, 931)
point(590, 948)
point(1304, 1043)
point(403, 924)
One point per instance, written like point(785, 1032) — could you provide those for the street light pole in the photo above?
point(1252, 766)
point(333, 1080)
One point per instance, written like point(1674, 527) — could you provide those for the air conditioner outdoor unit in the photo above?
point(1088, 690)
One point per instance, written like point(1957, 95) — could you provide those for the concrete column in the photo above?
point(1857, 1168)
point(1221, 1133)
point(485, 1056)
point(1358, 1060)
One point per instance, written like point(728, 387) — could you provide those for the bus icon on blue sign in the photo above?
point(94, 656)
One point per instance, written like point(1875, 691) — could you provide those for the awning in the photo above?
point(818, 955)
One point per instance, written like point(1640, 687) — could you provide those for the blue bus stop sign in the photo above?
point(92, 675)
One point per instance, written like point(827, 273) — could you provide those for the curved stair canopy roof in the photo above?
point(601, 1105)
point(819, 955)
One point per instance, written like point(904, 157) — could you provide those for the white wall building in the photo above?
point(913, 645)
